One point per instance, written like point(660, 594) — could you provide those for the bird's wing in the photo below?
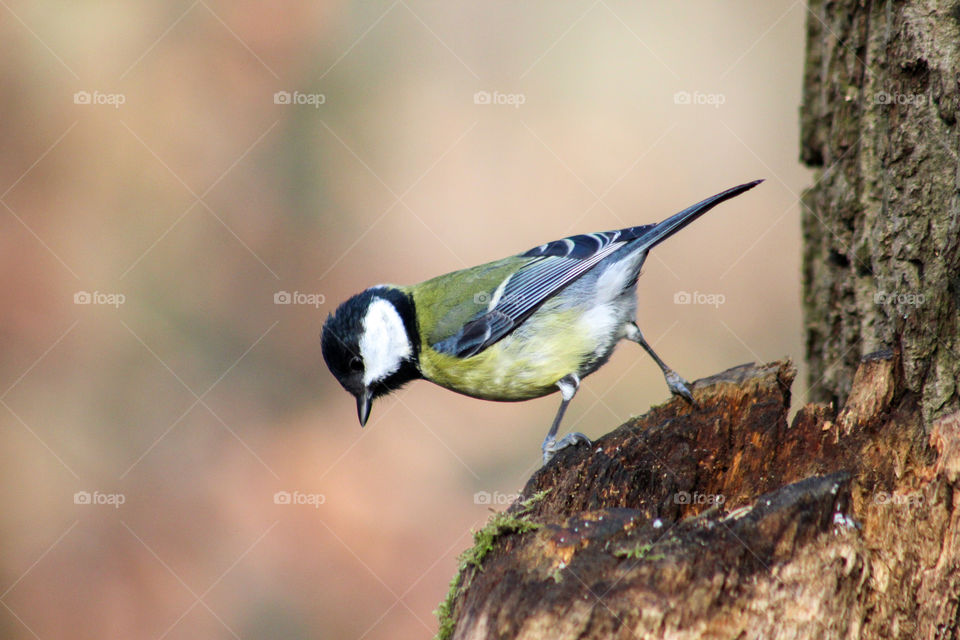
point(549, 268)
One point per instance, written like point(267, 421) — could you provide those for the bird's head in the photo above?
point(370, 344)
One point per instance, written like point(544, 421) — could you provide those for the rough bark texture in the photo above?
point(725, 522)
point(882, 222)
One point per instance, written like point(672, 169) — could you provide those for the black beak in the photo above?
point(364, 401)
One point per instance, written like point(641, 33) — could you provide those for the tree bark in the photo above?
point(724, 520)
point(881, 262)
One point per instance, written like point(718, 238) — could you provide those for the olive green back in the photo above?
point(445, 303)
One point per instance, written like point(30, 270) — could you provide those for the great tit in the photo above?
point(513, 329)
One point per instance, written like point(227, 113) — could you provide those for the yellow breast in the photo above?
point(526, 364)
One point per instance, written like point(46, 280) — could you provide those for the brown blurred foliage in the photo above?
point(185, 188)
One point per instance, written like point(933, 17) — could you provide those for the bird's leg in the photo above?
point(677, 385)
point(568, 388)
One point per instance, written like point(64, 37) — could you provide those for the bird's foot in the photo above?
point(551, 446)
point(679, 386)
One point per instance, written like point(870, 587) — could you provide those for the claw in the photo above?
point(552, 446)
point(679, 386)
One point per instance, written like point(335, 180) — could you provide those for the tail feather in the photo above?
point(663, 230)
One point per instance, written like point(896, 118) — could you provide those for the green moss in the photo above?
point(637, 553)
point(499, 524)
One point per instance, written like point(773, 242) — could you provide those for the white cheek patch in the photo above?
point(384, 343)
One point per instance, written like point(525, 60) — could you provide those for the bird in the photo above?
point(513, 329)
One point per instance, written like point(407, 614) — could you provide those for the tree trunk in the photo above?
point(881, 262)
point(724, 520)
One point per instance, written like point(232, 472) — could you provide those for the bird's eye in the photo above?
point(356, 364)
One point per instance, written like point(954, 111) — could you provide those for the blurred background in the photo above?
point(188, 189)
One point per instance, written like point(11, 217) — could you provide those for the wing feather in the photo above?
point(554, 266)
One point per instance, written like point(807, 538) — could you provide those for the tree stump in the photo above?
point(723, 521)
